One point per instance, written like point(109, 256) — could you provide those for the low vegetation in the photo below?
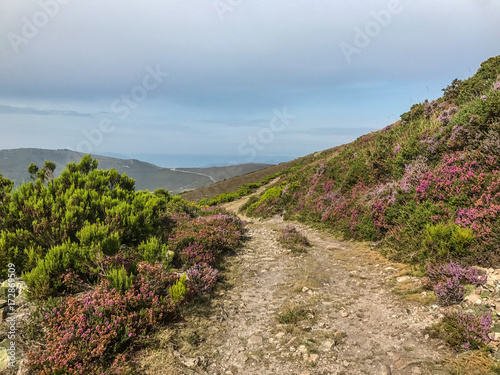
point(104, 264)
point(290, 238)
point(294, 315)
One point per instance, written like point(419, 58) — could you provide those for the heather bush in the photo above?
point(89, 334)
point(448, 281)
point(429, 108)
point(293, 240)
point(413, 173)
point(464, 331)
point(202, 278)
point(71, 282)
point(196, 253)
point(215, 234)
point(496, 86)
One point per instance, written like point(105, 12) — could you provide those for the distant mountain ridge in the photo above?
point(14, 166)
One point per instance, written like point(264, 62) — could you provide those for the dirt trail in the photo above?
point(355, 324)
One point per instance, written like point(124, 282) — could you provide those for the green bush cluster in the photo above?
point(443, 241)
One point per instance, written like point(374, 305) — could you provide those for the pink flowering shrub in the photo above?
point(88, 334)
point(413, 173)
point(202, 278)
point(293, 240)
point(463, 331)
point(214, 234)
point(448, 281)
point(196, 253)
point(429, 108)
point(457, 176)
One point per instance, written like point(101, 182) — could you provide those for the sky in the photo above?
point(210, 82)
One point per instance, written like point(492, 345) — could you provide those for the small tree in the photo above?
point(33, 171)
point(44, 174)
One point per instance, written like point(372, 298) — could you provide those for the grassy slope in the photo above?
point(425, 187)
point(235, 183)
point(223, 173)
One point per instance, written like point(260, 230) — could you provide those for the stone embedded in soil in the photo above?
point(255, 340)
point(383, 370)
point(325, 346)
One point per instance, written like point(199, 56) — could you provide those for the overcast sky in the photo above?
point(245, 79)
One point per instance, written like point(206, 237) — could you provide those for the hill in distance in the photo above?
point(14, 165)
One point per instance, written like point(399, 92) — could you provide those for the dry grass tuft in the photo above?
point(473, 363)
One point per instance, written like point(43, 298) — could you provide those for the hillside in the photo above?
point(14, 165)
point(426, 187)
point(231, 185)
point(223, 173)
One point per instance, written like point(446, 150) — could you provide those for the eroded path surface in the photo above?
point(354, 323)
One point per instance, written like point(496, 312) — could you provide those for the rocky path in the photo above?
point(349, 321)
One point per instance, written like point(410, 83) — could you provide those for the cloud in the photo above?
point(7, 109)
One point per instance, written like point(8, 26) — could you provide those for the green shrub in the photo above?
point(44, 280)
point(153, 251)
point(119, 279)
point(463, 331)
point(97, 237)
point(416, 112)
point(446, 241)
point(179, 290)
